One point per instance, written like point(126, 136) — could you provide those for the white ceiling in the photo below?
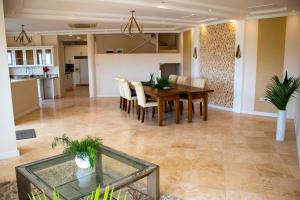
point(53, 16)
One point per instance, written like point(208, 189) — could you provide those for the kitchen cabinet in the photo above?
point(68, 81)
point(10, 57)
point(30, 56)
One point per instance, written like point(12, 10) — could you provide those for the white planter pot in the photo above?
point(82, 163)
point(84, 177)
point(280, 131)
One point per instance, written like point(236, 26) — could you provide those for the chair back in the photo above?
point(120, 85)
point(182, 80)
point(199, 82)
point(173, 78)
point(126, 89)
point(139, 93)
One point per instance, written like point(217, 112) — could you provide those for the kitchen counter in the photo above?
point(25, 96)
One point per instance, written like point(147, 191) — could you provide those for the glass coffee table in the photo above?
point(60, 173)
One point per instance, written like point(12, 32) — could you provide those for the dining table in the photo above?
point(173, 93)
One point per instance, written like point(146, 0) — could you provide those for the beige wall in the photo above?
point(217, 61)
point(270, 57)
point(116, 41)
point(291, 56)
point(187, 52)
point(36, 41)
point(25, 97)
point(134, 67)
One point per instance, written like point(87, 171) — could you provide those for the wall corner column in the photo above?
point(91, 64)
point(239, 67)
point(8, 145)
point(195, 68)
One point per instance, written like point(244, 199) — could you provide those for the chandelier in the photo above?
point(23, 38)
point(128, 28)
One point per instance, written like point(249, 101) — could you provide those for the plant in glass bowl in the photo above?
point(279, 94)
point(85, 150)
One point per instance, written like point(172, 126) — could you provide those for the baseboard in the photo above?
point(9, 154)
point(220, 107)
point(104, 95)
point(264, 114)
point(26, 112)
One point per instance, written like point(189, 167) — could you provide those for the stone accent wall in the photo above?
point(217, 60)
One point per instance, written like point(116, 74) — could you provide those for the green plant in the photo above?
point(96, 195)
point(279, 93)
point(162, 82)
point(81, 148)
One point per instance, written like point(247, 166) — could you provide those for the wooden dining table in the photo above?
point(173, 94)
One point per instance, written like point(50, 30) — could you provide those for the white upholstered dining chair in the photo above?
point(142, 102)
point(128, 96)
point(182, 80)
point(196, 82)
point(120, 85)
point(173, 78)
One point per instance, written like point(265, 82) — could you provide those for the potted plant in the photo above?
point(162, 83)
point(85, 151)
point(279, 94)
point(45, 70)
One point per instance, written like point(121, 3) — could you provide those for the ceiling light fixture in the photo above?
point(207, 20)
point(23, 38)
point(128, 28)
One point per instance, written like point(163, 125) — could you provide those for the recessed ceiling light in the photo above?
point(162, 5)
point(78, 37)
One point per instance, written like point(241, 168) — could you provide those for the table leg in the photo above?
point(159, 111)
point(99, 170)
point(205, 102)
point(177, 109)
point(153, 184)
point(190, 108)
point(23, 186)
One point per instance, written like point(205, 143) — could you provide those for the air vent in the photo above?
point(82, 25)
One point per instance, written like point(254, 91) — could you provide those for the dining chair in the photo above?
point(196, 82)
point(128, 96)
point(142, 102)
point(173, 78)
point(182, 80)
point(120, 85)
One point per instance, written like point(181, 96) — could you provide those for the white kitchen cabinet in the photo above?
point(30, 56)
point(68, 81)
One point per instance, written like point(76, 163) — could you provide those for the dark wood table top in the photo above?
point(174, 90)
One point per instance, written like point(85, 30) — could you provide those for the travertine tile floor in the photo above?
point(230, 156)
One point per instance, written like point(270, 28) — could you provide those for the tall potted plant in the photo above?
point(279, 94)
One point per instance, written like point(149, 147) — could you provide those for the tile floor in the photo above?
point(230, 156)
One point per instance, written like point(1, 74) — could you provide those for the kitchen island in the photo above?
point(25, 96)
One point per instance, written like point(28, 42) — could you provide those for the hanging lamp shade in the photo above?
point(23, 38)
point(128, 29)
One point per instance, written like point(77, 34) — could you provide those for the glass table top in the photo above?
point(62, 174)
